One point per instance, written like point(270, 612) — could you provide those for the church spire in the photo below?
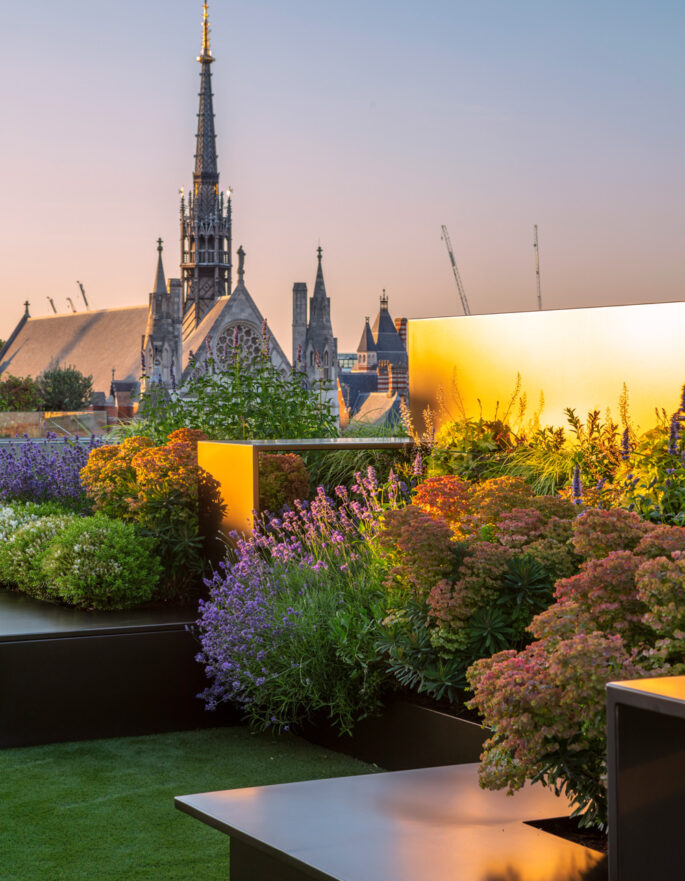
point(160, 281)
point(205, 154)
point(206, 214)
point(319, 286)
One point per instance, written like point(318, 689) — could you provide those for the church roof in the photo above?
point(377, 408)
point(385, 333)
point(367, 343)
point(236, 309)
point(357, 383)
point(94, 342)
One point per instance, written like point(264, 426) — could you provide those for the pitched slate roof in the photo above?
point(367, 343)
point(93, 342)
point(388, 341)
point(377, 408)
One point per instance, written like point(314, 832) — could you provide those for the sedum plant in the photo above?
point(620, 617)
point(468, 566)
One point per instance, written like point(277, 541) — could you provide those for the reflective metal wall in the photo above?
point(577, 358)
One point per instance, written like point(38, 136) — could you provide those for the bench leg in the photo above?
point(250, 864)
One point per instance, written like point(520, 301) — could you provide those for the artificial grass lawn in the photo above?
point(102, 810)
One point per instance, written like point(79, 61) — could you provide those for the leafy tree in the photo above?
point(65, 388)
point(19, 394)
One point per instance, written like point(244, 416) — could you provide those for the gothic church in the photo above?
point(186, 317)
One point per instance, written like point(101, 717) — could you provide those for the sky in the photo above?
point(364, 126)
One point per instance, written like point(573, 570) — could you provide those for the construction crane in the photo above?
point(52, 303)
point(83, 294)
point(71, 303)
point(537, 266)
point(457, 277)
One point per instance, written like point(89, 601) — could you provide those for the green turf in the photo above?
point(102, 810)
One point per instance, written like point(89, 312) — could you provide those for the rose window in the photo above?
point(245, 338)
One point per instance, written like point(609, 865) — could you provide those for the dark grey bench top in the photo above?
point(434, 823)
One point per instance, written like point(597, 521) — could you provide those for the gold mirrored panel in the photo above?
point(579, 358)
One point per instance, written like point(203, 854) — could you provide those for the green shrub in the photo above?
point(101, 563)
point(331, 468)
point(238, 400)
point(21, 556)
point(19, 394)
point(283, 478)
point(16, 514)
point(64, 388)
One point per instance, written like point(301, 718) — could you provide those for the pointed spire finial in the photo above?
point(241, 264)
point(319, 252)
point(26, 308)
point(206, 51)
point(160, 281)
point(384, 300)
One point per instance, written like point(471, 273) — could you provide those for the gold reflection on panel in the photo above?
point(234, 466)
point(577, 358)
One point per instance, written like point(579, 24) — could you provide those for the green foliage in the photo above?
point(101, 563)
point(331, 468)
point(240, 401)
point(64, 388)
point(283, 478)
point(470, 448)
point(21, 555)
point(543, 456)
point(327, 663)
point(654, 475)
point(19, 394)
point(16, 514)
point(405, 641)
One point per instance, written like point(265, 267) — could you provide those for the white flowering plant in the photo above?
point(102, 563)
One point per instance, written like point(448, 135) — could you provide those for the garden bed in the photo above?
point(67, 674)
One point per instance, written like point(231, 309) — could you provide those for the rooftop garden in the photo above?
point(500, 573)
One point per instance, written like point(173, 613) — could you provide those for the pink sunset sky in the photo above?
point(362, 125)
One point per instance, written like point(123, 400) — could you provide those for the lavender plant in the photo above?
point(38, 470)
point(292, 621)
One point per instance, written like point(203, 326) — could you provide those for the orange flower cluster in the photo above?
point(130, 479)
point(468, 507)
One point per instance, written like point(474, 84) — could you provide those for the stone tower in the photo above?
point(206, 216)
point(162, 347)
point(315, 349)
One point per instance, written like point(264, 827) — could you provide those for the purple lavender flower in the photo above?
point(674, 435)
point(417, 468)
point(41, 470)
point(577, 487)
point(625, 445)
